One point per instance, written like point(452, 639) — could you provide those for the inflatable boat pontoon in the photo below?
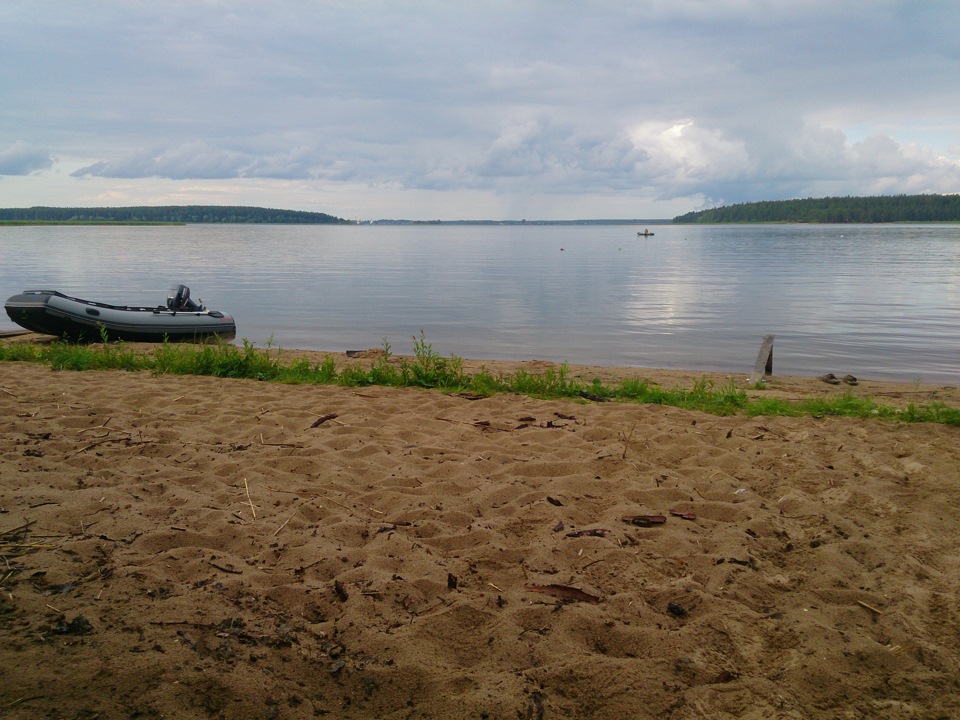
point(181, 319)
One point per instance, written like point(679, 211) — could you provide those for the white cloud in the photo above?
point(684, 154)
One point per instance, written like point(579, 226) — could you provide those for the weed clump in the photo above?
point(430, 370)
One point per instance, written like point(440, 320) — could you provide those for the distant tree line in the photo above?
point(877, 209)
point(168, 214)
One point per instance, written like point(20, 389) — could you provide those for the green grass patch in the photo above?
point(429, 369)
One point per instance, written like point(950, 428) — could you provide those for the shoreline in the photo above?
point(895, 393)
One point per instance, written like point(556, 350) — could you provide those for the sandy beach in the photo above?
point(192, 547)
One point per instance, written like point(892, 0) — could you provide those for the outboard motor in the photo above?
point(178, 298)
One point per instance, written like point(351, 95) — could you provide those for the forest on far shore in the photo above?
point(166, 214)
point(874, 209)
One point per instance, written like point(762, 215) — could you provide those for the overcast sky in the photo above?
point(450, 109)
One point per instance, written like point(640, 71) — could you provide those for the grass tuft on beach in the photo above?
point(431, 370)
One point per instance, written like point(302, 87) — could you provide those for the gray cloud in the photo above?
point(197, 160)
point(21, 158)
point(726, 100)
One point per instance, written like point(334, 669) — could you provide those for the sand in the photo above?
point(189, 547)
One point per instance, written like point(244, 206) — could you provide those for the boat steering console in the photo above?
point(178, 299)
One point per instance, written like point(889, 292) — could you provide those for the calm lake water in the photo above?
point(874, 301)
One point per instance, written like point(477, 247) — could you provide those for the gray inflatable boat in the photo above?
point(52, 313)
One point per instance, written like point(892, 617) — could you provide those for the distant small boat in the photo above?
point(52, 313)
point(645, 233)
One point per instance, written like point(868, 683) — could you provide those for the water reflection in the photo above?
point(874, 301)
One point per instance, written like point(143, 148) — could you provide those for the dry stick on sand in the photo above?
point(352, 509)
point(872, 609)
point(626, 437)
point(253, 508)
point(273, 444)
point(105, 426)
point(19, 528)
point(482, 424)
point(25, 699)
point(286, 521)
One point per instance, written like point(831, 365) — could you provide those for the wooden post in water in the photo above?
point(764, 364)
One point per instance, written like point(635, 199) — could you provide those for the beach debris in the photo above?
point(684, 515)
point(829, 378)
point(51, 589)
point(726, 676)
point(535, 709)
point(482, 424)
point(286, 521)
point(14, 540)
point(253, 508)
point(676, 609)
point(277, 444)
point(78, 626)
point(735, 561)
point(323, 418)
point(340, 590)
point(391, 526)
point(645, 520)
point(626, 437)
point(228, 568)
point(764, 431)
point(565, 593)
point(593, 532)
point(897, 649)
point(559, 526)
point(592, 396)
point(369, 353)
point(554, 501)
point(871, 608)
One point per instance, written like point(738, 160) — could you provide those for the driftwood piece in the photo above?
point(565, 593)
point(764, 364)
point(645, 520)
